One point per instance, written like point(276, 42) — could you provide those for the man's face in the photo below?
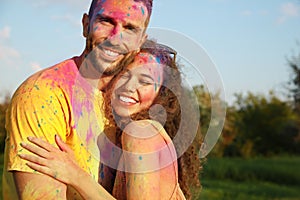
point(115, 29)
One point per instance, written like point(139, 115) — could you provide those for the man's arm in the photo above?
point(36, 186)
point(32, 114)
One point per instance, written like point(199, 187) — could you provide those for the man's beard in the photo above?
point(98, 64)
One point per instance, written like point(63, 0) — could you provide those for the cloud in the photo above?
point(253, 13)
point(247, 12)
point(5, 33)
point(8, 55)
point(69, 18)
point(72, 4)
point(35, 66)
point(288, 10)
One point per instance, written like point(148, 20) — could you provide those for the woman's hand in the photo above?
point(47, 159)
point(60, 164)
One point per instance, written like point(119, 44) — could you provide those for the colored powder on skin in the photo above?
point(157, 58)
point(100, 12)
point(143, 11)
point(143, 58)
point(140, 158)
point(96, 28)
point(156, 84)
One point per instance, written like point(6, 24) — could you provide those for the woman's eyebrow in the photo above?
point(147, 76)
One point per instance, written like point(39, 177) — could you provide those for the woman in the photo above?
point(148, 165)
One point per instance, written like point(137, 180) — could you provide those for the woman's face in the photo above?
point(136, 89)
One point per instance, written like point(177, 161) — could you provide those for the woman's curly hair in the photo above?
point(168, 98)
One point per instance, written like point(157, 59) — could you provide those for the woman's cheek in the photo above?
point(148, 95)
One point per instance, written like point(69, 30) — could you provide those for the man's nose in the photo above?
point(116, 35)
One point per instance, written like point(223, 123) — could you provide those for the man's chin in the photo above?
point(112, 71)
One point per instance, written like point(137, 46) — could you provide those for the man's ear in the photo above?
point(144, 38)
point(85, 24)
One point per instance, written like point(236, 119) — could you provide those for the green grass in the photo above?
point(275, 178)
point(228, 190)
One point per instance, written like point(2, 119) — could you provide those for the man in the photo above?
point(58, 101)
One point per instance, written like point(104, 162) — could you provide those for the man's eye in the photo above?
point(105, 20)
point(131, 28)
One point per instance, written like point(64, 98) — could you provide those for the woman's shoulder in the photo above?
point(145, 125)
point(144, 135)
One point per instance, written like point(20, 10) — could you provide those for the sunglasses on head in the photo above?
point(152, 45)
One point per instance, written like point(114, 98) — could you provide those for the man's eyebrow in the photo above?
point(100, 15)
point(129, 24)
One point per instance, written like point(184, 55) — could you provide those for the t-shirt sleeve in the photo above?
point(39, 113)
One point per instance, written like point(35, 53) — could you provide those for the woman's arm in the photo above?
point(59, 164)
point(141, 143)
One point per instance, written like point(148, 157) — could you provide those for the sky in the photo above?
point(249, 41)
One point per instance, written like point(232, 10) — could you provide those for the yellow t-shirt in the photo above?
point(59, 101)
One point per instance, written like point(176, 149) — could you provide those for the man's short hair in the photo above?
point(147, 3)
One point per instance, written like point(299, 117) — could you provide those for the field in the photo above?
point(276, 178)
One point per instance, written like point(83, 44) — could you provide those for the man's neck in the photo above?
point(89, 73)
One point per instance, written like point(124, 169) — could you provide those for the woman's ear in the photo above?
point(85, 24)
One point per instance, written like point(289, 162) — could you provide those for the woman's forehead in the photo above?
point(147, 62)
point(146, 58)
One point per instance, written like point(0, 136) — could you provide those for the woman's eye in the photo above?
point(146, 82)
point(126, 75)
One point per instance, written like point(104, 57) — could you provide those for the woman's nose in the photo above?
point(131, 85)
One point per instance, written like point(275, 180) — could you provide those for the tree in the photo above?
point(294, 83)
point(3, 107)
point(265, 125)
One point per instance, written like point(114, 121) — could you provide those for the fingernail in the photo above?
point(57, 136)
point(29, 138)
point(21, 155)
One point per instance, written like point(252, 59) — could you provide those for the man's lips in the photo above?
point(110, 54)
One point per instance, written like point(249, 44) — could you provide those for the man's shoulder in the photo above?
point(60, 73)
point(57, 77)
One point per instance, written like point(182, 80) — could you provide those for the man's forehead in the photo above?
point(126, 10)
point(124, 5)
